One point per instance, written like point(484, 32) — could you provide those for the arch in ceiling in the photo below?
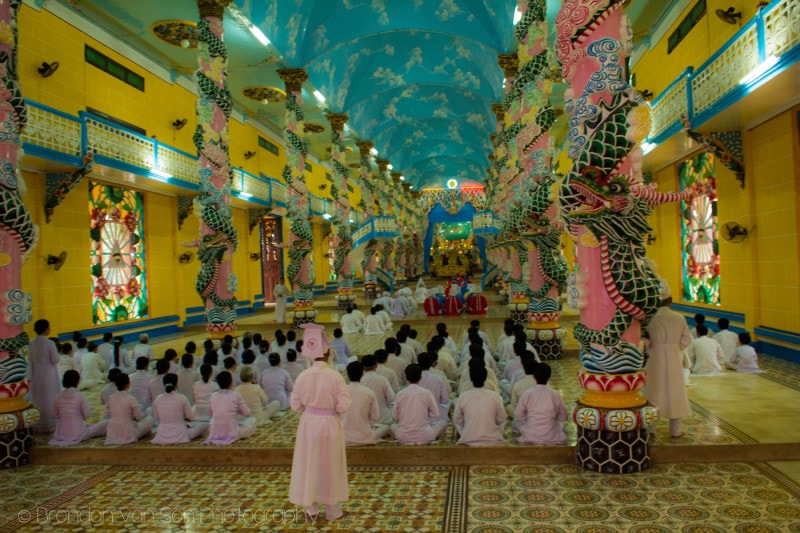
point(435, 170)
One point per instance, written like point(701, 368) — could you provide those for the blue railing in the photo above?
point(54, 135)
point(767, 45)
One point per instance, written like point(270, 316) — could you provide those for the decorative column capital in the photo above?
point(493, 138)
point(337, 120)
point(212, 8)
point(396, 176)
point(499, 112)
point(383, 164)
point(293, 78)
point(509, 63)
point(364, 147)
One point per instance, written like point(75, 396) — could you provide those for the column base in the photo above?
point(519, 317)
point(16, 444)
point(613, 452)
point(307, 316)
point(547, 341)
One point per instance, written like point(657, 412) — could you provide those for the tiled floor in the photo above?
point(691, 497)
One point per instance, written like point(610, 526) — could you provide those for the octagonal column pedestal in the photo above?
point(17, 418)
point(504, 294)
point(546, 335)
point(518, 308)
point(345, 298)
point(612, 420)
point(303, 313)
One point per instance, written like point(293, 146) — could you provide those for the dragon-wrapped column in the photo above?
point(537, 224)
point(342, 239)
point(18, 237)
point(369, 262)
point(216, 282)
point(387, 245)
point(605, 206)
point(301, 241)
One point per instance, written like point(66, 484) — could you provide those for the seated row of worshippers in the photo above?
point(711, 353)
point(397, 390)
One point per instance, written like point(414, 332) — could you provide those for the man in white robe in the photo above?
point(350, 323)
point(281, 294)
point(373, 325)
point(727, 339)
point(479, 416)
point(705, 354)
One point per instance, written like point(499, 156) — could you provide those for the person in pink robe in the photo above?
point(172, 410)
point(71, 409)
point(540, 412)
point(416, 412)
point(435, 384)
point(276, 382)
point(126, 423)
point(319, 464)
point(380, 386)
point(223, 408)
point(202, 391)
point(479, 415)
point(45, 386)
point(359, 424)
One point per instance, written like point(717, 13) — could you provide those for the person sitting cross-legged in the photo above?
point(479, 415)
point(416, 412)
point(541, 412)
point(359, 421)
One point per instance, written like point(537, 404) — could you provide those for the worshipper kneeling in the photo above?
point(479, 416)
point(126, 424)
point(172, 410)
point(261, 408)
point(359, 424)
point(477, 304)
point(223, 408)
point(416, 412)
point(71, 410)
point(541, 412)
point(705, 354)
point(745, 358)
point(373, 325)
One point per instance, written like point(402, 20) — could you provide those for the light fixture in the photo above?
point(249, 154)
point(452, 183)
point(245, 195)
point(389, 166)
point(373, 151)
point(179, 123)
point(258, 34)
point(517, 15)
point(402, 178)
point(648, 147)
point(759, 71)
point(47, 69)
point(318, 95)
point(327, 216)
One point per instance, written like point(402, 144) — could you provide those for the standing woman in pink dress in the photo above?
point(71, 409)
point(172, 410)
point(126, 423)
point(319, 465)
point(44, 361)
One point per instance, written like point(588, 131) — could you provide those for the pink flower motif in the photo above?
point(131, 222)
point(118, 291)
point(98, 217)
point(115, 214)
point(101, 288)
point(133, 287)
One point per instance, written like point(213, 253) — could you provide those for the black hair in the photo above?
point(381, 356)
point(369, 361)
point(425, 360)
point(224, 379)
point(723, 323)
point(229, 362)
point(117, 349)
point(291, 335)
point(82, 342)
point(170, 354)
point(71, 378)
point(476, 350)
point(291, 355)
point(205, 372)
point(170, 382)
point(529, 365)
point(211, 358)
point(187, 360)
point(478, 376)
point(41, 326)
point(413, 373)
point(744, 338)
point(542, 373)
point(107, 336)
point(191, 347)
point(142, 362)
point(66, 347)
point(702, 330)
point(699, 318)
point(122, 381)
point(391, 345)
point(162, 366)
point(257, 338)
point(76, 336)
point(337, 333)
point(113, 373)
point(355, 371)
point(248, 356)
point(402, 336)
point(274, 359)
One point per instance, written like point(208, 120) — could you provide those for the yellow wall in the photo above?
point(760, 276)
point(64, 296)
point(658, 69)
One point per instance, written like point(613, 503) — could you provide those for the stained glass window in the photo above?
point(117, 257)
point(700, 244)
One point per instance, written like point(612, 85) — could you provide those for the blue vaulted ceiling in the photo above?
point(417, 77)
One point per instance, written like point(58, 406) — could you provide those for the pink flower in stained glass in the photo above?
point(133, 287)
point(101, 288)
point(98, 217)
point(115, 214)
point(119, 291)
point(131, 222)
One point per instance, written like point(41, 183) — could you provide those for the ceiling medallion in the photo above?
point(264, 94)
point(180, 33)
point(313, 128)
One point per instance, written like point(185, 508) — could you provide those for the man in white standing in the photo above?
point(281, 294)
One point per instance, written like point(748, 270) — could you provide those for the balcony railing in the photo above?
point(700, 94)
point(58, 136)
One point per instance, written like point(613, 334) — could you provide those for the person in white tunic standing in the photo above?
point(319, 464)
point(43, 370)
point(281, 294)
point(666, 388)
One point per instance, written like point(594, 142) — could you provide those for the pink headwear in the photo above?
point(315, 342)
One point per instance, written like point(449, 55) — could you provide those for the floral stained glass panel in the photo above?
point(117, 257)
point(699, 231)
